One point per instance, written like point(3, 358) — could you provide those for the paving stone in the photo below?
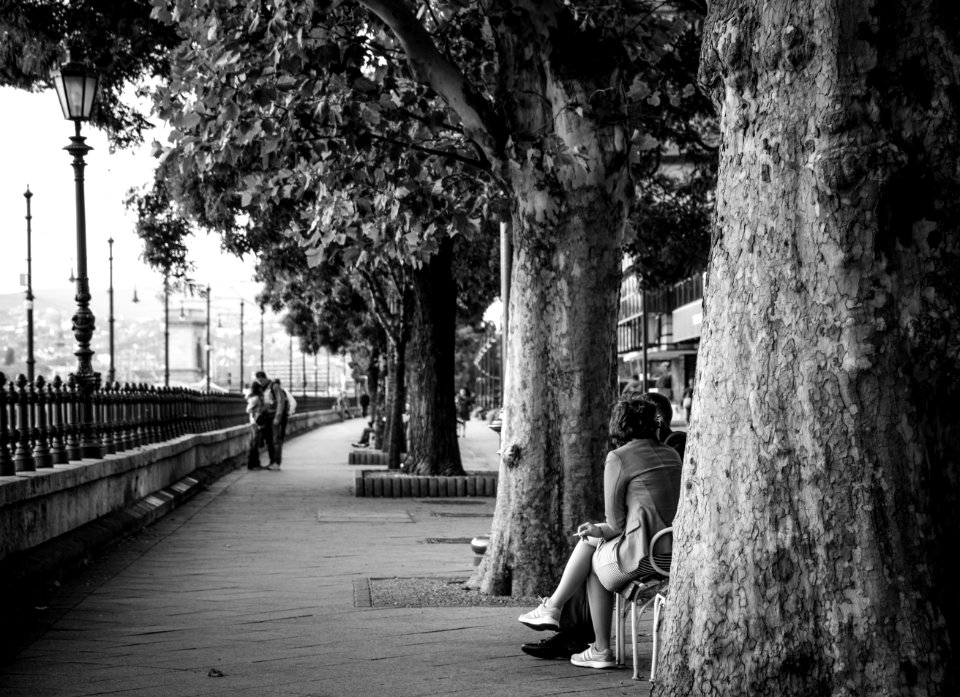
point(250, 589)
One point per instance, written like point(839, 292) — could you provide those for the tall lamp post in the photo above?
point(208, 339)
point(112, 373)
point(166, 329)
point(261, 338)
point(29, 302)
point(241, 347)
point(76, 85)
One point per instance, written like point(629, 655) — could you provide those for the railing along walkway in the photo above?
point(42, 424)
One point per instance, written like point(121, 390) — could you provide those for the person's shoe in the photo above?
point(542, 618)
point(592, 658)
point(557, 646)
point(274, 467)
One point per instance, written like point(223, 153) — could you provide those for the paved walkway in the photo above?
point(249, 589)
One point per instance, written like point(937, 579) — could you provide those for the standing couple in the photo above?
point(269, 406)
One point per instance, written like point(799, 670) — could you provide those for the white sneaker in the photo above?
point(592, 658)
point(542, 618)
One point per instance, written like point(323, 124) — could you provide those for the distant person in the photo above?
point(364, 404)
point(464, 403)
point(257, 419)
point(635, 385)
point(665, 381)
point(341, 406)
point(273, 408)
point(687, 400)
point(641, 482)
point(366, 434)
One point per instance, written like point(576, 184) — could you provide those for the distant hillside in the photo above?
point(62, 300)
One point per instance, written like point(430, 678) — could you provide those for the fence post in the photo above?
point(23, 457)
point(7, 468)
point(55, 398)
point(42, 458)
point(72, 395)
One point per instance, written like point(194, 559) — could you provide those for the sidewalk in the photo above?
point(249, 590)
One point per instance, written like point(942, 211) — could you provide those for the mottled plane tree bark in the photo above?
point(819, 507)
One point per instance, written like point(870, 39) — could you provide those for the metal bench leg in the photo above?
point(619, 610)
point(658, 604)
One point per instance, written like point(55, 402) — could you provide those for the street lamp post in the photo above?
point(261, 338)
point(166, 329)
point(208, 339)
point(29, 302)
point(76, 85)
point(241, 347)
point(290, 369)
point(112, 373)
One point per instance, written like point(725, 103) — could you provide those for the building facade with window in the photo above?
point(667, 351)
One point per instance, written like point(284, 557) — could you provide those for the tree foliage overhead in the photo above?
point(121, 39)
point(322, 106)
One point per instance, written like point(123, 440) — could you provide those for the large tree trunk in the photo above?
point(394, 432)
point(569, 180)
point(820, 497)
point(560, 385)
point(433, 445)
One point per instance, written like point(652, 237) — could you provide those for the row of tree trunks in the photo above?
point(433, 447)
point(820, 489)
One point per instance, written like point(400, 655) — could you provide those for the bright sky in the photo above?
point(34, 133)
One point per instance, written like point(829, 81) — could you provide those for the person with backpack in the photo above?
point(273, 408)
point(284, 412)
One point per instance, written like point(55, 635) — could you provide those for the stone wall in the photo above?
point(36, 507)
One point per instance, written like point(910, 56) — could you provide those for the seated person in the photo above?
point(641, 493)
point(364, 436)
point(576, 627)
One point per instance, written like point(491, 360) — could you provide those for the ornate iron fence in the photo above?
point(41, 422)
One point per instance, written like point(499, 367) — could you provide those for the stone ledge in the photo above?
point(380, 484)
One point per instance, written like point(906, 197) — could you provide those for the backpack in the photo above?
point(290, 401)
point(269, 398)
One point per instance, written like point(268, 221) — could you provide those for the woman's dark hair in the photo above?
point(256, 388)
point(634, 416)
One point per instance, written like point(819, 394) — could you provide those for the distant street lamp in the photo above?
point(166, 328)
point(208, 339)
point(241, 346)
point(111, 374)
point(29, 302)
point(261, 338)
point(76, 85)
